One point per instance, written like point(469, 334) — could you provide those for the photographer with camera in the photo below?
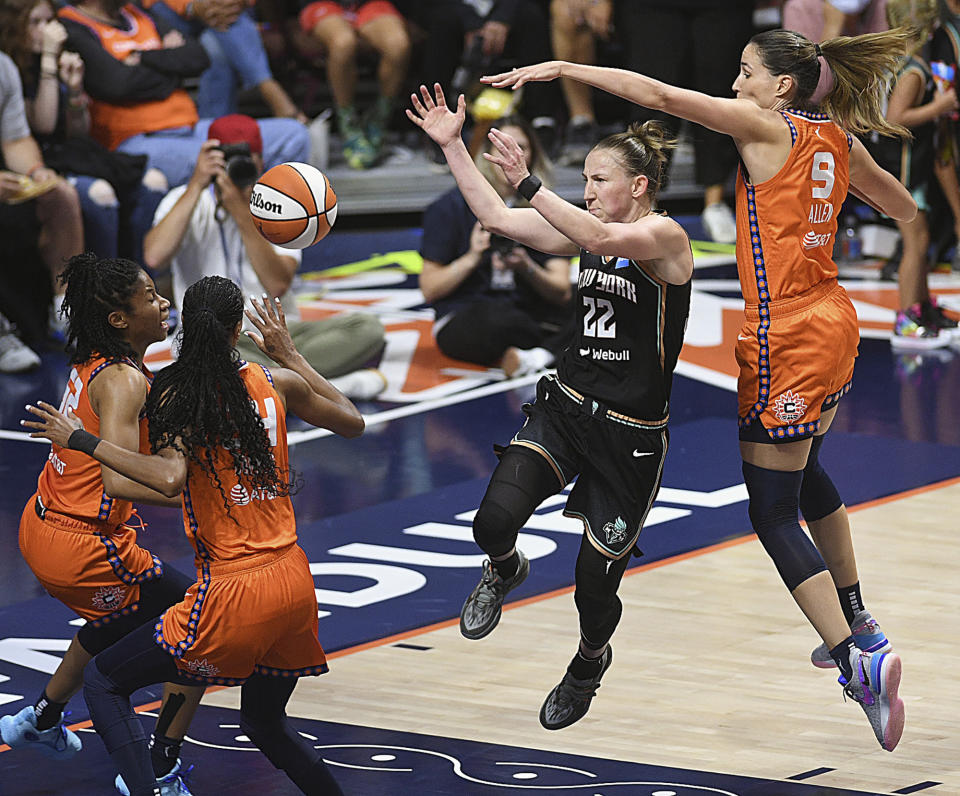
point(497, 303)
point(205, 228)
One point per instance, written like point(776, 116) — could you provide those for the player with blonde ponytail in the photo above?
point(799, 338)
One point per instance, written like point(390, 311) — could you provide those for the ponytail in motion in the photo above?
point(862, 67)
point(200, 403)
point(642, 149)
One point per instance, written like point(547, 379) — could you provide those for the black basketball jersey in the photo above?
point(630, 327)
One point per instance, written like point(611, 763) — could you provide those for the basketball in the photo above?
point(293, 205)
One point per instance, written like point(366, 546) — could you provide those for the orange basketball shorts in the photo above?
point(254, 615)
point(796, 360)
point(92, 571)
point(367, 12)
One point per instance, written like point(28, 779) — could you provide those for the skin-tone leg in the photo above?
point(387, 35)
point(572, 42)
point(950, 185)
point(279, 101)
point(712, 194)
point(61, 229)
point(340, 41)
point(192, 694)
point(912, 275)
point(68, 678)
point(816, 596)
point(834, 21)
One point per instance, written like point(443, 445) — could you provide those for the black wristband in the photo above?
point(83, 441)
point(528, 186)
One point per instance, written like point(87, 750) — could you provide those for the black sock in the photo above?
point(850, 601)
point(841, 656)
point(48, 712)
point(507, 568)
point(584, 668)
point(164, 752)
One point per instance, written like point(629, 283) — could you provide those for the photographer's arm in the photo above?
point(552, 281)
point(163, 241)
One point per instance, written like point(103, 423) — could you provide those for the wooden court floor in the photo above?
point(711, 667)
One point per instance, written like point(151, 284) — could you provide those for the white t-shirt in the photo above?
point(215, 248)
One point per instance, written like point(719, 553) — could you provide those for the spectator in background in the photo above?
point(54, 208)
point(574, 27)
point(135, 65)
point(697, 45)
point(59, 119)
point(820, 20)
point(204, 228)
point(341, 28)
point(228, 32)
point(496, 302)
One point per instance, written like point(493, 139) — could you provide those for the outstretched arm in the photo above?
point(740, 118)
point(519, 224)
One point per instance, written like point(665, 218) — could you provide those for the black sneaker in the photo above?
point(481, 611)
point(570, 701)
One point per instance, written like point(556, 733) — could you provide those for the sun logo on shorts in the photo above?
point(108, 598)
point(615, 531)
point(789, 407)
point(201, 668)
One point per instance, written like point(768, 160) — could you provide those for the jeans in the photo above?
point(236, 52)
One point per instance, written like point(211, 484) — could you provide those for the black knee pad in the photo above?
point(598, 579)
point(521, 482)
point(774, 507)
point(818, 496)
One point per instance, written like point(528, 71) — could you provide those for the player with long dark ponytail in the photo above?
point(218, 432)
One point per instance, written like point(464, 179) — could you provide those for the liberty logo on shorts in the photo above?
point(201, 668)
point(789, 407)
point(616, 531)
point(108, 598)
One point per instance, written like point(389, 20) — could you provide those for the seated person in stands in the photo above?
point(229, 34)
point(117, 194)
point(54, 213)
point(135, 67)
point(497, 303)
point(339, 27)
point(204, 228)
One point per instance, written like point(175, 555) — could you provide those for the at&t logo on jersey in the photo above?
point(813, 240)
point(241, 497)
point(789, 407)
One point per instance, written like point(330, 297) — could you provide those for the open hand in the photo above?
point(435, 118)
point(274, 338)
point(52, 424)
point(508, 156)
point(515, 78)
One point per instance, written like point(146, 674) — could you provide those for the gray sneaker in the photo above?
point(867, 635)
point(570, 700)
point(481, 611)
point(875, 685)
point(15, 355)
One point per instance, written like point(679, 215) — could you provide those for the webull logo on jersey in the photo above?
point(814, 240)
point(605, 355)
point(241, 497)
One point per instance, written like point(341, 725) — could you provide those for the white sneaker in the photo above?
point(719, 223)
point(523, 361)
point(361, 385)
point(15, 355)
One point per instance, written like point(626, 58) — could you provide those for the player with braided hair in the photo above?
point(75, 532)
point(218, 433)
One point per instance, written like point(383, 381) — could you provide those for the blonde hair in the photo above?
point(642, 149)
point(862, 67)
point(920, 16)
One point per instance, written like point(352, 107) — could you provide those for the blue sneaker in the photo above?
point(170, 785)
point(21, 731)
point(867, 635)
point(875, 685)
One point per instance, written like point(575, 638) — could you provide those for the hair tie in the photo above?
point(818, 51)
point(826, 81)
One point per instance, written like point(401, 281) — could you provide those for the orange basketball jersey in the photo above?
point(258, 522)
point(786, 225)
point(70, 481)
point(113, 123)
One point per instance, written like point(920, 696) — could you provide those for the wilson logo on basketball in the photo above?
point(257, 201)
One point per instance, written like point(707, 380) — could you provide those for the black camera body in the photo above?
point(239, 164)
point(501, 245)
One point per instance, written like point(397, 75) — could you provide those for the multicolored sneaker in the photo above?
point(482, 609)
point(935, 315)
point(867, 635)
point(875, 685)
point(910, 332)
point(570, 700)
point(357, 150)
point(20, 730)
point(170, 785)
